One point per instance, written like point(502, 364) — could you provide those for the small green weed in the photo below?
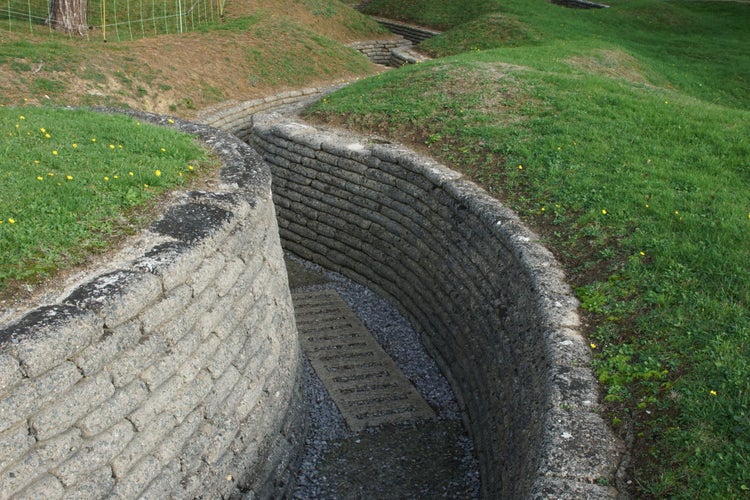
point(47, 86)
point(20, 66)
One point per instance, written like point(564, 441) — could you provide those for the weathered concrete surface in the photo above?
point(172, 371)
point(362, 379)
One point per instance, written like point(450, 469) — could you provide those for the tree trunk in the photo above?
point(68, 16)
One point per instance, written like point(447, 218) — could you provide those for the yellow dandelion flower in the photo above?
point(11, 221)
point(163, 150)
point(520, 167)
point(106, 179)
point(170, 120)
point(111, 146)
point(116, 176)
point(75, 145)
point(119, 146)
point(21, 117)
point(643, 254)
point(93, 139)
point(36, 162)
point(593, 346)
point(179, 174)
point(604, 212)
point(51, 174)
point(68, 177)
point(713, 393)
point(42, 130)
point(130, 174)
point(54, 152)
point(39, 178)
point(145, 185)
point(157, 173)
point(190, 167)
point(47, 136)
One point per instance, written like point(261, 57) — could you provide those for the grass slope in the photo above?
point(623, 136)
point(61, 203)
point(74, 181)
point(256, 49)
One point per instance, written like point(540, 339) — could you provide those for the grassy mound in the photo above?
point(621, 134)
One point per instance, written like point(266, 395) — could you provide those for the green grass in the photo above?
point(439, 14)
point(623, 136)
point(71, 182)
point(692, 44)
point(296, 52)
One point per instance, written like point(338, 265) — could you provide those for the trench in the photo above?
point(175, 369)
point(487, 301)
point(374, 433)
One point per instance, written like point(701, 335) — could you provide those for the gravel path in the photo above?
point(426, 459)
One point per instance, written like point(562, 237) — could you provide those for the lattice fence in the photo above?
point(116, 19)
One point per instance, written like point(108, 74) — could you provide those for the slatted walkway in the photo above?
point(364, 382)
point(425, 457)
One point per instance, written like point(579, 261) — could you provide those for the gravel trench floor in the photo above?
point(424, 459)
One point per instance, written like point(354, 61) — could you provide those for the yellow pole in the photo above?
point(104, 19)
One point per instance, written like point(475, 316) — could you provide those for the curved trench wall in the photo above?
point(414, 34)
point(175, 373)
point(579, 4)
point(235, 116)
point(488, 300)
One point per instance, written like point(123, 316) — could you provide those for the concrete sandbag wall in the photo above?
point(489, 301)
point(413, 33)
point(379, 51)
point(175, 372)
